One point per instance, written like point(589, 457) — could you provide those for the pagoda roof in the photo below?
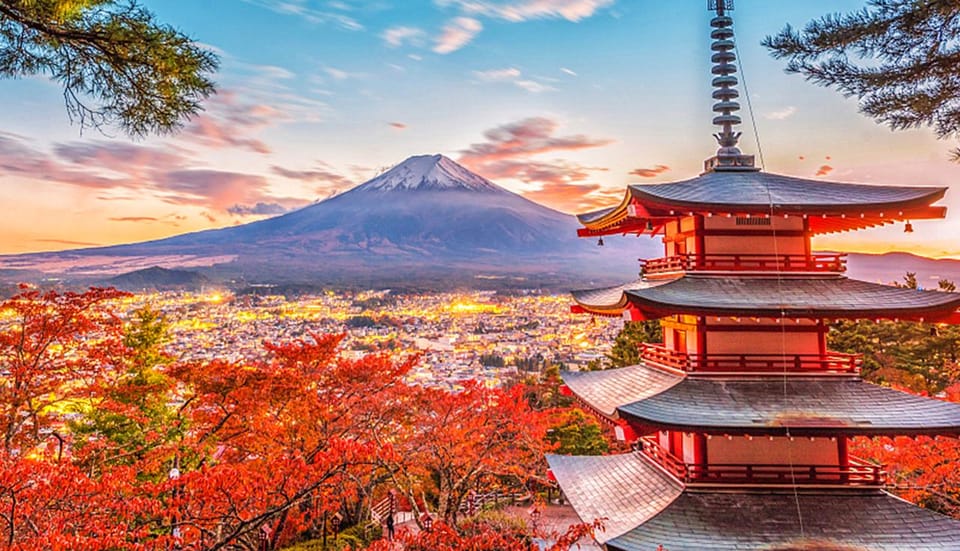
point(645, 508)
point(604, 391)
point(611, 300)
point(714, 521)
point(808, 297)
point(765, 193)
point(626, 489)
point(798, 406)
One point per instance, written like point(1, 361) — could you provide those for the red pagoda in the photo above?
point(741, 417)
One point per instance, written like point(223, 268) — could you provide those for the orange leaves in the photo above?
point(463, 439)
point(53, 347)
point(109, 447)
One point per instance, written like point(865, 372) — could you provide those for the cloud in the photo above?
point(824, 170)
point(341, 75)
point(498, 75)
point(649, 172)
point(133, 161)
point(396, 37)
point(457, 33)
point(568, 71)
point(229, 192)
point(533, 86)
point(522, 139)
point(19, 159)
point(323, 173)
point(228, 124)
point(524, 10)
point(67, 242)
point(398, 125)
point(300, 9)
point(260, 209)
point(513, 76)
point(511, 151)
point(781, 114)
point(133, 219)
point(570, 197)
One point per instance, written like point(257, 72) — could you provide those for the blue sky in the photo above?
point(565, 101)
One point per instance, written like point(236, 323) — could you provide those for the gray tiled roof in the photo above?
point(814, 296)
point(606, 390)
point(588, 217)
point(771, 521)
point(608, 298)
point(805, 406)
point(626, 489)
point(760, 189)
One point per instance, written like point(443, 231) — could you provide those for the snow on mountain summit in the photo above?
point(429, 173)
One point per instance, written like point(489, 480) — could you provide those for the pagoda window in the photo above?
point(739, 450)
point(764, 342)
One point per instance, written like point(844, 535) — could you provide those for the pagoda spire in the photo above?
point(724, 58)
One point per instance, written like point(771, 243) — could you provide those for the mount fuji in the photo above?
point(427, 220)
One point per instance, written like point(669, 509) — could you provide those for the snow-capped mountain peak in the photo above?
point(430, 173)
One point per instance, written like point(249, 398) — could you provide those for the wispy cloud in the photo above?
point(524, 138)
point(68, 242)
point(524, 10)
point(133, 219)
point(649, 172)
point(513, 76)
point(322, 173)
point(570, 197)
point(781, 114)
point(302, 9)
point(568, 71)
point(398, 126)
point(513, 151)
point(396, 37)
point(457, 33)
point(260, 209)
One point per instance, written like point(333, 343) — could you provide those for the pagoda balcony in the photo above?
point(857, 473)
point(835, 363)
point(678, 264)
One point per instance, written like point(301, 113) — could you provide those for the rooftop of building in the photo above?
point(800, 406)
point(816, 296)
point(646, 508)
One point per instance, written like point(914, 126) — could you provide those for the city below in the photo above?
point(482, 336)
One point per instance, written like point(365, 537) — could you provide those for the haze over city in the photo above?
point(564, 102)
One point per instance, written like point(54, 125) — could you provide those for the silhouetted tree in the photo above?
point(900, 58)
point(116, 64)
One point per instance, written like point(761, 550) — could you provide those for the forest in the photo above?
point(110, 443)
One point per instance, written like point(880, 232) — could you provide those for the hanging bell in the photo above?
point(600, 242)
point(908, 228)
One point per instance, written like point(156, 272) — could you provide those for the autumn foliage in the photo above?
point(108, 443)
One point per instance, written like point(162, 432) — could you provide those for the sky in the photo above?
point(563, 101)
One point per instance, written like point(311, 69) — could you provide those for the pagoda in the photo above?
point(740, 419)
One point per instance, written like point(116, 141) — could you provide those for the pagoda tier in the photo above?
point(824, 207)
point(814, 296)
point(646, 508)
point(650, 399)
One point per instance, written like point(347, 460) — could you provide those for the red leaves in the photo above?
point(206, 454)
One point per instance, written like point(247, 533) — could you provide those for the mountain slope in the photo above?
point(426, 217)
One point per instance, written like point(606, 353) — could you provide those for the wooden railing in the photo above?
point(831, 362)
point(857, 473)
point(820, 262)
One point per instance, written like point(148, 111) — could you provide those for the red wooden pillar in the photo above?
point(702, 337)
point(822, 339)
point(701, 240)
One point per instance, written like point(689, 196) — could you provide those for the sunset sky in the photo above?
point(564, 101)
